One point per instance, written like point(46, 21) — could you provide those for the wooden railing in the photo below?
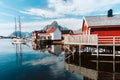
point(91, 39)
point(109, 40)
point(81, 39)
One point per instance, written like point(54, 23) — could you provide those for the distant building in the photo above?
point(104, 25)
point(50, 34)
point(66, 32)
point(55, 34)
point(77, 32)
point(35, 34)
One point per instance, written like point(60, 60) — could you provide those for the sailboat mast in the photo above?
point(15, 28)
point(20, 26)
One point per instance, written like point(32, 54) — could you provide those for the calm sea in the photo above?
point(21, 62)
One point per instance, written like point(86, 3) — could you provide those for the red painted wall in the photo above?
point(35, 35)
point(84, 28)
point(113, 31)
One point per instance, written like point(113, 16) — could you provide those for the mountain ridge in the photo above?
point(54, 24)
point(23, 34)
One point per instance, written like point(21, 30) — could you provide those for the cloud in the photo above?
point(45, 61)
point(6, 14)
point(71, 23)
point(6, 28)
point(42, 13)
point(60, 8)
point(80, 7)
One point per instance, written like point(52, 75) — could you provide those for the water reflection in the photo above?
point(18, 51)
point(91, 67)
point(52, 49)
point(35, 66)
point(36, 46)
point(55, 49)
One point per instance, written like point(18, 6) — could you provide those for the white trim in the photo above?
point(85, 21)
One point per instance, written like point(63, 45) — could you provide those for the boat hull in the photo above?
point(15, 40)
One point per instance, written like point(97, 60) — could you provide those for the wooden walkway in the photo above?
point(108, 43)
point(92, 40)
point(82, 40)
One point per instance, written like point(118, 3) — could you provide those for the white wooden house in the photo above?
point(54, 33)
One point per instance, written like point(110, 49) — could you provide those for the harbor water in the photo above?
point(21, 62)
point(32, 61)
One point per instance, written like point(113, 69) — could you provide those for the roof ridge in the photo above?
point(102, 20)
point(101, 15)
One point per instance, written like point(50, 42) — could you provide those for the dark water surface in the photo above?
point(93, 68)
point(21, 62)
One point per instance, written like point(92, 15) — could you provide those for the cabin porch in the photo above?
point(93, 44)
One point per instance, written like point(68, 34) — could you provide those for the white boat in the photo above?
point(18, 39)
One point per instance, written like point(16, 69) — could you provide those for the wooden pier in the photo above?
point(81, 60)
point(96, 45)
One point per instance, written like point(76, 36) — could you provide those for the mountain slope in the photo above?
point(23, 34)
point(54, 24)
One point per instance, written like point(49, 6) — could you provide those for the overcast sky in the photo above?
point(35, 14)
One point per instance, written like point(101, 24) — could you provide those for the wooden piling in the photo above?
point(114, 52)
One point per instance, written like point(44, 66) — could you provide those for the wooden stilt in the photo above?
point(114, 52)
point(113, 69)
point(79, 55)
point(97, 64)
point(97, 51)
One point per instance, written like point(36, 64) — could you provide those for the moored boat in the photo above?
point(18, 39)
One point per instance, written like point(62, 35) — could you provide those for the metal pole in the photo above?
point(20, 26)
point(15, 28)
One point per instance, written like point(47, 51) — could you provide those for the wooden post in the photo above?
point(113, 48)
point(113, 52)
point(80, 55)
point(97, 51)
point(69, 52)
point(97, 62)
point(113, 69)
point(114, 58)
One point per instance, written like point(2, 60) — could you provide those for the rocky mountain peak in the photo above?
point(54, 23)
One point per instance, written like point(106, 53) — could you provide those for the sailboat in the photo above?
point(18, 39)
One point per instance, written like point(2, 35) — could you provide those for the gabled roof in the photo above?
point(103, 20)
point(67, 32)
point(39, 31)
point(42, 31)
point(51, 30)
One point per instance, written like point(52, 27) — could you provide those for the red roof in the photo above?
point(51, 30)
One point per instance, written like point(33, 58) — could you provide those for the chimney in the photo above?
point(110, 13)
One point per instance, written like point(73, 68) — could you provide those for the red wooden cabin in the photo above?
point(35, 33)
point(107, 27)
point(104, 25)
